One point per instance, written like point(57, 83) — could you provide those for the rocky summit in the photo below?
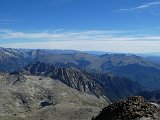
point(133, 108)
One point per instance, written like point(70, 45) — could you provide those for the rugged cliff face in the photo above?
point(100, 85)
point(133, 108)
point(72, 77)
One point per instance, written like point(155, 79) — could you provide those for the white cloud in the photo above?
point(109, 46)
point(147, 5)
point(109, 40)
point(61, 35)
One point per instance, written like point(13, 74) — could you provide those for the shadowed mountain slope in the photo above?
point(100, 85)
point(153, 96)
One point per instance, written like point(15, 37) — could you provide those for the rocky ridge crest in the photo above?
point(132, 108)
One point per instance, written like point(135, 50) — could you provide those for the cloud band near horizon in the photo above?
point(109, 40)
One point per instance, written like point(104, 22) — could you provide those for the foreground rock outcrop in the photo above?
point(133, 108)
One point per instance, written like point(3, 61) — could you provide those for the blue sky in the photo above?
point(104, 25)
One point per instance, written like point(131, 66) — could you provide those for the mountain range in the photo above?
point(69, 84)
point(138, 69)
